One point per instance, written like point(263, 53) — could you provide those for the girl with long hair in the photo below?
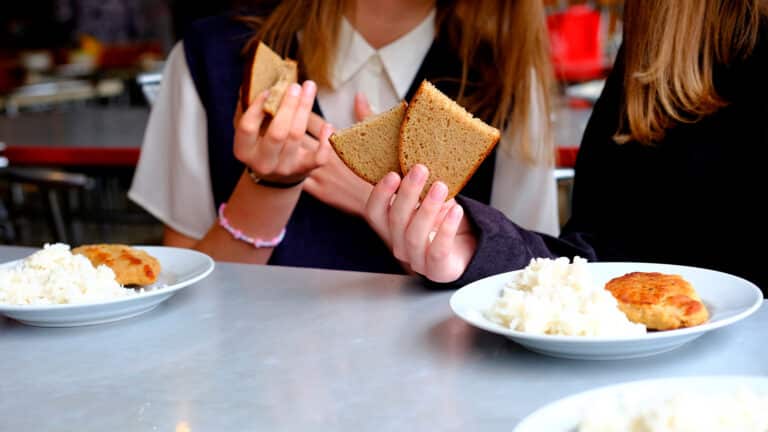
point(671, 166)
point(224, 188)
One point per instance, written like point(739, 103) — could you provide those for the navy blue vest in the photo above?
point(317, 235)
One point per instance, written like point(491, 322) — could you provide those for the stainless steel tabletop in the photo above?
point(284, 349)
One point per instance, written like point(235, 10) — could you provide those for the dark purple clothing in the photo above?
point(695, 198)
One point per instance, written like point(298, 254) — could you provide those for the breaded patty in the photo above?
point(660, 301)
point(131, 266)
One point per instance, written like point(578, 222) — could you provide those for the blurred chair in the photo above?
point(54, 187)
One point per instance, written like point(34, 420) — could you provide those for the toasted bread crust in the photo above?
point(660, 301)
point(246, 87)
point(355, 169)
point(452, 192)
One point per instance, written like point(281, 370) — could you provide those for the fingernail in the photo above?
point(390, 180)
point(456, 213)
point(294, 89)
point(438, 192)
point(310, 85)
point(418, 173)
point(265, 93)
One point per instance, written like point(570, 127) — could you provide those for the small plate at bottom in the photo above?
point(565, 415)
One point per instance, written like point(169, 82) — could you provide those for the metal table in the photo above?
point(285, 349)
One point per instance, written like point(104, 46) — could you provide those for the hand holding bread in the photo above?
point(432, 130)
point(432, 237)
point(282, 152)
point(334, 183)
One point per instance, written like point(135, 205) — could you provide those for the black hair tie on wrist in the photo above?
point(271, 184)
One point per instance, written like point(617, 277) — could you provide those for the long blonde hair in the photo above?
point(671, 48)
point(505, 41)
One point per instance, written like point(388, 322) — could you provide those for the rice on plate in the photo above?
point(557, 297)
point(54, 275)
point(742, 411)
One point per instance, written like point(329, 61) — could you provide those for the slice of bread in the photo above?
point(441, 134)
point(369, 148)
point(267, 70)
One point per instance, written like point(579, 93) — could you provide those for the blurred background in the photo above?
point(77, 79)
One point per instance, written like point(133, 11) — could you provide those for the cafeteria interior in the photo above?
point(180, 340)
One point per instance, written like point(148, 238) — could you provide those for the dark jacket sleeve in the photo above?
point(504, 246)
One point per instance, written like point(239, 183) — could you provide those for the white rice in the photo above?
point(742, 411)
point(555, 297)
point(54, 275)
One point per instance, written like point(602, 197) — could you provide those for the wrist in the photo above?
point(281, 184)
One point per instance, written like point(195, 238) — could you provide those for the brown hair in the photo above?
point(671, 48)
point(513, 32)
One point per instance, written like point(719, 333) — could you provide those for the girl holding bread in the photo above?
point(270, 189)
point(670, 169)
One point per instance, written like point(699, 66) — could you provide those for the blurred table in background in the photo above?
point(85, 136)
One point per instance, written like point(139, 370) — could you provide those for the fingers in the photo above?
point(301, 117)
point(248, 127)
point(325, 150)
point(417, 233)
point(403, 208)
point(281, 124)
point(362, 107)
point(377, 207)
point(315, 125)
point(440, 249)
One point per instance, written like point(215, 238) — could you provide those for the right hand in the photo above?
point(283, 152)
point(408, 227)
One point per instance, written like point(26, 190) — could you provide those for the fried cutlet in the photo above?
point(131, 266)
point(660, 301)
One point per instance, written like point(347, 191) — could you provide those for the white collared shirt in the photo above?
point(172, 180)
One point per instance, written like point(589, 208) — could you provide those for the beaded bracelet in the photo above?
point(238, 234)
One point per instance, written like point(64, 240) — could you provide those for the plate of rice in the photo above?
point(690, 404)
point(562, 309)
point(55, 288)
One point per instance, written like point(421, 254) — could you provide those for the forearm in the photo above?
point(259, 212)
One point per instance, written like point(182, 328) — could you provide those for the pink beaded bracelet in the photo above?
point(238, 235)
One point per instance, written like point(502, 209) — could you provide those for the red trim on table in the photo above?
point(71, 156)
point(92, 156)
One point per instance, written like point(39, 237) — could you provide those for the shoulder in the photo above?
point(215, 32)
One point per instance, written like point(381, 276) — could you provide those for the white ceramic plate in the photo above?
point(566, 414)
point(179, 269)
point(728, 298)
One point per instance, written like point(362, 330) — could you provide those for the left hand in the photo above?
point(334, 183)
point(407, 226)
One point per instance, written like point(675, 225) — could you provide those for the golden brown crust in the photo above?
point(364, 175)
point(660, 301)
point(423, 87)
point(131, 266)
point(246, 87)
point(452, 194)
point(353, 168)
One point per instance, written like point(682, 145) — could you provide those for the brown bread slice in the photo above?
point(369, 148)
point(441, 134)
point(267, 70)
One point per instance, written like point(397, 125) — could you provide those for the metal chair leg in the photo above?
point(56, 219)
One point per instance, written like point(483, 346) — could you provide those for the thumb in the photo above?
point(362, 107)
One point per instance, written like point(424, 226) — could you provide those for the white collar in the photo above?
point(401, 59)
